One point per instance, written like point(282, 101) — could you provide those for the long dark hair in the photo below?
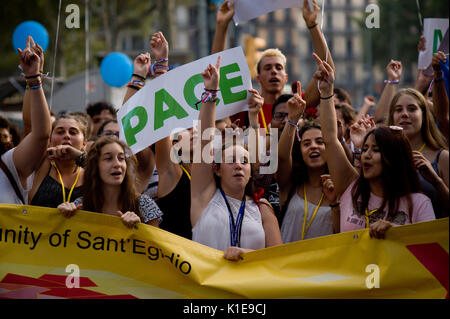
point(92, 188)
point(399, 175)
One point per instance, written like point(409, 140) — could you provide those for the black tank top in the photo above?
point(50, 194)
point(176, 207)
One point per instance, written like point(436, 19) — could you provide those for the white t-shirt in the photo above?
point(213, 227)
point(7, 193)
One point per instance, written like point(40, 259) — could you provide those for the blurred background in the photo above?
point(360, 54)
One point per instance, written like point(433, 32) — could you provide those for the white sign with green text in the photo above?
point(168, 102)
point(433, 31)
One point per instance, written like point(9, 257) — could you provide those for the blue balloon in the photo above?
point(33, 28)
point(116, 69)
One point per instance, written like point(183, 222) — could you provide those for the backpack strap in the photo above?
point(12, 180)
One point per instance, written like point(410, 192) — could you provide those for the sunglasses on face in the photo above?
point(279, 115)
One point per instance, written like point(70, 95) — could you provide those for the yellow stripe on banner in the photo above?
point(37, 244)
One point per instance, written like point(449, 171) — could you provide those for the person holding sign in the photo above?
point(225, 214)
point(308, 206)
point(386, 191)
point(174, 179)
point(109, 186)
point(271, 67)
point(19, 164)
point(440, 97)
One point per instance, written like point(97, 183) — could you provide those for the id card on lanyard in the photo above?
point(235, 228)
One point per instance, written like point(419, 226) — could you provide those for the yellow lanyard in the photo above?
point(421, 149)
point(188, 175)
point(62, 183)
point(306, 213)
point(367, 216)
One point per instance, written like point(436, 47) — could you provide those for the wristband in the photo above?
point(391, 82)
point(139, 77)
point(206, 97)
point(327, 98)
point(28, 77)
point(297, 129)
point(357, 150)
point(312, 27)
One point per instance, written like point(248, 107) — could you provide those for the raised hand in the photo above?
point(141, 64)
point(255, 104)
point(437, 58)
point(211, 75)
point(360, 129)
point(424, 167)
point(325, 76)
point(159, 46)
point(328, 188)
point(296, 104)
point(369, 101)
point(394, 70)
point(36, 48)
point(129, 218)
point(29, 60)
point(225, 12)
point(309, 16)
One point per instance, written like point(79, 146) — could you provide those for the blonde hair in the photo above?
point(271, 53)
point(430, 133)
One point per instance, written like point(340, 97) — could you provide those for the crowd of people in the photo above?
point(339, 170)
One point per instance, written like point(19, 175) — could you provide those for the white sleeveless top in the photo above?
point(213, 227)
point(291, 229)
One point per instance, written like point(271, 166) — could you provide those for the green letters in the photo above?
point(174, 109)
point(130, 132)
point(437, 39)
point(227, 84)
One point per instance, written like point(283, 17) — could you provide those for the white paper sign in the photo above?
point(168, 102)
point(245, 10)
point(433, 31)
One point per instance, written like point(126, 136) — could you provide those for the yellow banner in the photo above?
point(44, 255)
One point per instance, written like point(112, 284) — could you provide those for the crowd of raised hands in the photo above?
point(340, 171)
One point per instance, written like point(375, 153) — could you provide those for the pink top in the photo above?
point(352, 220)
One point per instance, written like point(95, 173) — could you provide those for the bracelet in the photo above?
point(206, 97)
point(297, 129)
point(392, 82)
point(35, 87)
point(335, 205)
point(154, 66)
point(256, 127)
point(34, 82)
point(32, 76)
point(81, 160)
point(131, 86)
point(211, 90)
point(139, 77)
point(312, 27)
point(357, 150)
point(162, 60)
point(327, 98)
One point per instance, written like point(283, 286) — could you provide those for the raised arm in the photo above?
point(341, 170)
point(224, 16)
point(296, 107)
point(394, 72)
point(203, 185)
point(255, 104)
point(26, 111)
point(312, 96)
point(440, 98)
point(369, 102)
point(28, 154)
